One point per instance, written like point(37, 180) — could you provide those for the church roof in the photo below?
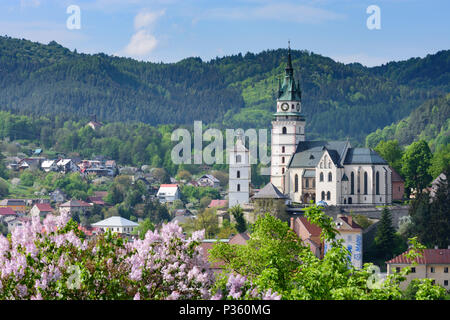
point(269, 192)
point(363, 156)
point(308, 153)
point(289, 91)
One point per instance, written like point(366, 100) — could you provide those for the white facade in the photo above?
point(239, 174)
point(168, 193)
point(116, 224)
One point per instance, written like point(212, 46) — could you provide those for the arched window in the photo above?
point(238, 174)
point(352, 184)
point(296, 183)
point(350, 200)
point(328, 195)
point(284, 130)
point(307, 183)
point(282, 159)
point(282, 170)
point(282, 149)
point(238, 187)
point(238, 158)
point(321, 176)
point(323, 195)
point(330, 176)
point(377, 183)
point(365, 182)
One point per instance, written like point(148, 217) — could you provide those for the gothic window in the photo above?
point(350, 200)
point(282, 159)
point(328, 195)
point(282, 170)
point(365, 182)
point(307, 183)
point(238, 174)
point(352, 184)
point(284, 130)
point(296, 183)
point(330, 176)
point(377, 183)
point(323, 195)
point(321, 165)
point(238, 158)
point(321, 176)
point(329, 165)
point(238, 187)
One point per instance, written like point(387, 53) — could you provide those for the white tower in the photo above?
point(239, 174)
point(288, 128)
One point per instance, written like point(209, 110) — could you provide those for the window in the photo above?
point(328, 195)
point(330, 176)
point(329, 165)
point(397, 269)
point(238, 187)
point(238, 158)
point(282, 159)
point(282, 149)
point(432, 270)
point(284, 130)
point(377, 183)
point(446, 283)
point(323, 195)
point(238, 174)
point(350, 200)
point(413, 270)
point(307, 183)
point(321, 176)
point(282, 170)
point(446, 270)
point(365, 182)
point(296, 183)
point(352, 183)
point(313, 183)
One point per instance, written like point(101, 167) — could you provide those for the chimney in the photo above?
point(350, 220)
point(292, 223)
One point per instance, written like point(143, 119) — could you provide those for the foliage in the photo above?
point(144, 226)
point(385, 236)
point(238, 214)
point(391, 152)
point(416, 162)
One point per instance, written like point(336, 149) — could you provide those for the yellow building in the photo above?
point(434, 264)
point(18, 205)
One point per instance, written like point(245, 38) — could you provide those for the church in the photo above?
point(329, 171)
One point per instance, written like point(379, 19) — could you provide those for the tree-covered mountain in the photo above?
point(235, 91)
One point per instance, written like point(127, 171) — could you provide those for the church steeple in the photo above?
point(289, 69)
point(289, 90)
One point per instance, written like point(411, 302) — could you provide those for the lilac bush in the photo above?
point(52, 260)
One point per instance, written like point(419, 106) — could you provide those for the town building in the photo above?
point(239, 174)
point(398, 186)
point(116, 224)
point(168, 193)
point(331, 171)
point(18, 205)
point(49, 165)
point(434, 264)
point(58, 196)
point(41, 210)
point(208, 180)
point(74, 206)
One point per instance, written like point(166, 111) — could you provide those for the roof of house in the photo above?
point(218, 203)
point(47, 163)
point(269, 192)
point(312, 229)
point(240, 238)
point(363, 156)
point(6, 211)
point(183, 218)
point(168, 189)
point(309, 153)
point(350, 222)
point(115, 221)
point(209, 176)
point(396, 176)
point(63, 162)
point(75, 203)
point(429, 256)
point(12, 202)
point(45, 207)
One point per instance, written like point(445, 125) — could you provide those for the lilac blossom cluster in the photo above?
point(37, 261)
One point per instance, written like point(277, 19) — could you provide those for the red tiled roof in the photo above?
point(6, 211)
point(312, 228)
point(44, 207)
point(217, 203)
point(396, 176)
point(429, 256)
point(75, 203)
point(354, 225)
point(171, 185)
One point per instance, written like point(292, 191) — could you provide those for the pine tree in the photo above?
point(385, 237)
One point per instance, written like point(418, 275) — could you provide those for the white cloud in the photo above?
point(146, 18)
point(141, 44)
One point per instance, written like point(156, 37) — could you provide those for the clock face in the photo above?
point(284, 107)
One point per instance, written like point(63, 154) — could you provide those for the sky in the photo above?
point(171, 30)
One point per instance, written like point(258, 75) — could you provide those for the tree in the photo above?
point(391, 152)
point(238, 215)
point(386, 240)
point(143, 227)
point(416, 163)
point(4, 188)
point(439, 220)
point(207, 221)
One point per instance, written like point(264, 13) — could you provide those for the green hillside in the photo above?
point(339, 100)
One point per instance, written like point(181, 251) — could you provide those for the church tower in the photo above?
point(288, 127)
point(239, 174)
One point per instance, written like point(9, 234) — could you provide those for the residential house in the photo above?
point(17, 222)
point(168, 193)
point(74, 206)
point(67, 166)
point(309, 233)
point(208, 180)
point(41, 210)
point(398, 186)
point(434, 264)
point(217, 203)
point(7, 214)
point(94, 124)
point(49, 165)
point(30, 163)
point(18, 205)
point(58, 196)
point(182, 216)
point(116, 224)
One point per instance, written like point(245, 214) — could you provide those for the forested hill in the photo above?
point(236, 91)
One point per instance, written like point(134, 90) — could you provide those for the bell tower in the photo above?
point(288, 126)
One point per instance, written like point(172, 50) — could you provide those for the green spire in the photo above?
point(289, 91)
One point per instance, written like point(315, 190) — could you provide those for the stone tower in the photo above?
point(239, 174)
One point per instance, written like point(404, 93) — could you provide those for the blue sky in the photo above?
point(171, 30)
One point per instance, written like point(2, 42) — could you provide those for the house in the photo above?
point(7, 214)
point(17, 222)
point(168, 193)
point(96, 200)
point(67, 165)
point(49, 165)
point(116, 224)
point(240, 238)
point(398, 186)
point(29, 163)
point(58, 196)
point(309, 233)
point(434, 264)
point(217, 203)
point(94, 124)
point(208, 180)
point(41, 210)
point(18, 205)
point(74, 206)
